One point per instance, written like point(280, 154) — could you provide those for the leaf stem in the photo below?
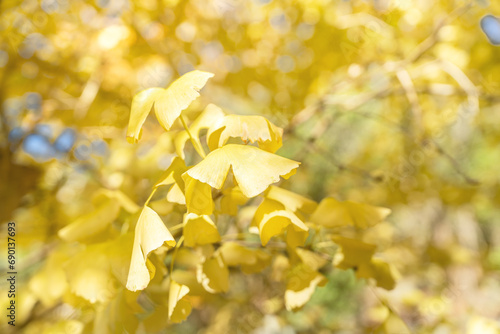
point(150, 196)
point(179, 244)
point(197, 147)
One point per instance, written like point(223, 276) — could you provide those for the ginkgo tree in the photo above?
point(241, 167)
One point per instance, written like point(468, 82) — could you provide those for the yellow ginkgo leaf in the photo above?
point(230, 200)
point(213, 274)
point(292, 201)
point(358, 255)
point(178, 306)
point(353, 253)
point(150, 234)
point(205, 120)
point(250, 260)
point(267, 206)
point(275, 223)
point(311, 259)
point(198, 196)
point(332, 213)
point(173, 174)
point(175, 195)
point(249, 129)
point(199, 230)
point(301, 284)
point(168, 103)
point(253, 168)
point(91, 223)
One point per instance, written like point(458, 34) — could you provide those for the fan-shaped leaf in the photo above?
point(248, 128)
point(168, 103)
point(150, 234)
point(253, 169)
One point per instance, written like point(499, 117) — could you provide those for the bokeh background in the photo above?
point(390, 102)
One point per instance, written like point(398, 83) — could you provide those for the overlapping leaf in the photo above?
point(253, 169)
point(199, 230)
point(210, 115)
point(248, 128)
point(150, 234)
point(358, 255)
point(301, 284)
point(178, 306)
point(167, 103)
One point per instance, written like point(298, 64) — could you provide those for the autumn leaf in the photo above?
point(167, 103)
point(150, 234)
point(210, 115)
point(332, 213)
point(248, 128)
point(301, 284)
point(277, 222)
point(253, 169)
point(199, 230)
point(178, 306)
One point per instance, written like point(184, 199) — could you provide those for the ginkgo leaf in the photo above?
point(292, 201)
point(311, 259)
point(210, 115)
point(198, 196)
point(358, 255)
point(332, 213)
point(275, 223)
point(213, 274)
point(353, 252)
point(230, 200)
point(249, 129)
point(150, 234)
point(175, 195)
point(168, 103)
point(253, 168)
point(91, 223)
point(301, 284)
point(199, 230)
point(267, 206)
point(173, 174)
point(250, 260)
point(178, 306)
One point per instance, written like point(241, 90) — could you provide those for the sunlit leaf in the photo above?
point(253, 169)
point(150, 234)
point(205, 120)
point(248, 128)
point(167, 103)
point(292, 201)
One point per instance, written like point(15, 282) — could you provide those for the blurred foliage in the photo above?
point(388, 102)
